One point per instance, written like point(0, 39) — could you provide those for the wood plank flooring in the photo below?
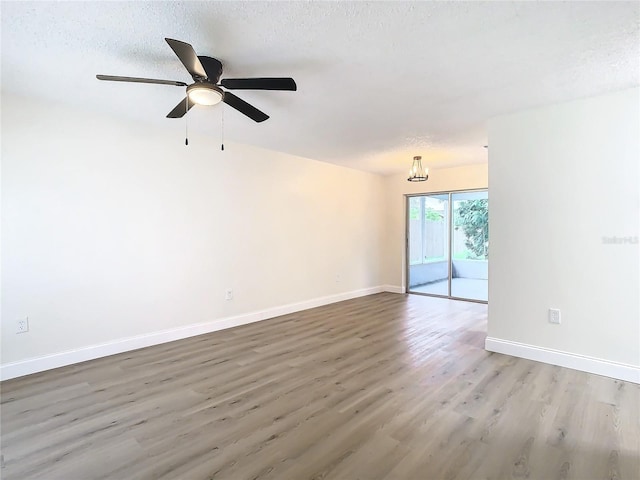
point(381, 387)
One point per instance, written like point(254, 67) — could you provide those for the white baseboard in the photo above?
point(620, 371)
point(70, 357)
point(393, 289)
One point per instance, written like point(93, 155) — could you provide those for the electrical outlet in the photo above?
point(228, 294)
point(338, 278)
point(22, 325)
point(554, 316)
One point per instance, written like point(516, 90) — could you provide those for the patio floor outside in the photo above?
point(471, 288)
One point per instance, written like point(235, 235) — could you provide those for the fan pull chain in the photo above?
point(186, 121)
point(222, 130)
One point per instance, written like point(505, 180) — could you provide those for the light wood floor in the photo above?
point(382, 387)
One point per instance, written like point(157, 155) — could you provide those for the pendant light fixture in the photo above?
point(417, 173)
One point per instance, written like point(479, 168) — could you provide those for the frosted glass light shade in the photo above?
point(205, 94)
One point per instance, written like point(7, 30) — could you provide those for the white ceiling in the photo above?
point(378, 82)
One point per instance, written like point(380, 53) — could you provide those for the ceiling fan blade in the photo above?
point(243, 107)
point(212, 66)
point(114, 78)
point(259, 84)
point(188, 57)
point(181, 109)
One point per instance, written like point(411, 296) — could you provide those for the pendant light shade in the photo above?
point(417, 173)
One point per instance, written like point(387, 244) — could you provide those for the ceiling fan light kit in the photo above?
point(205, 94)
point(206, 90)
point(417, 173)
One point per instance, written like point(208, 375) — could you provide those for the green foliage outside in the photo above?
point(432, 215)
point(429, 214)
point(472, 216)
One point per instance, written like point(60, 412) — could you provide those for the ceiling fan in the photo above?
point(206, 90)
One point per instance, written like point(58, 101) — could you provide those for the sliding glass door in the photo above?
point(429, 244)
point(447, 244)
point(470, 258)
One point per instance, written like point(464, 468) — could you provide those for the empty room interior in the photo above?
point(304, 240)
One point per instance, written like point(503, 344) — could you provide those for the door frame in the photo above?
point(449, 193)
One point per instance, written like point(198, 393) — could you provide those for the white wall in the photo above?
point(561, 178)
point(112, 230)
point(396, 187)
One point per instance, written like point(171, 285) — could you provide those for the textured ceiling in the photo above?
point(378, 82)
